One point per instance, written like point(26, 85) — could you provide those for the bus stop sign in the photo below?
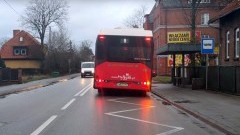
point(207, 46)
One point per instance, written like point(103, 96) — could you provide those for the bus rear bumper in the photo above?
point(130, 86)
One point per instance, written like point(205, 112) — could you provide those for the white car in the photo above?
point(87, 69)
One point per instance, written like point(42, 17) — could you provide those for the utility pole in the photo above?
point(70, 56)
point(69, 66)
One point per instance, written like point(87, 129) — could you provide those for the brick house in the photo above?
point(22, 51)
point(229, 19)
point(172, 17)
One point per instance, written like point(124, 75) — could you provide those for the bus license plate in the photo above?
point(121, 84)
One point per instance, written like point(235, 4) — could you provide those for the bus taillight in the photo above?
point(147, 39)
point(147, 83)
point(101, 38)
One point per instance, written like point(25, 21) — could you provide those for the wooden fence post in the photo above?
point(19, 75)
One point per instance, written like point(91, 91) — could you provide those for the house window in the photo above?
point(21, 39)
point(23, 51)
point(20, 51)
point(16, 51)
point(227, 45)
point(237, 43)
point(205, 19)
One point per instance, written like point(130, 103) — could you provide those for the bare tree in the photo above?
point(86, 52)
point(3, 41)
point(63, 55)
point(58, 52)
point(191, 15)
point(42, 13)
point(136, 20)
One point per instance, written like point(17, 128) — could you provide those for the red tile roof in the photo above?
point(231, 7)
point(33, 46)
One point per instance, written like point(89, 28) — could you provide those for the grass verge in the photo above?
point(162, 79)
point(29, 78)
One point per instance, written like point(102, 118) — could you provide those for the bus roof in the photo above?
point(127, 32)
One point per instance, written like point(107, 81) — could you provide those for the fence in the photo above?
point(220, 78)
point(8, 75)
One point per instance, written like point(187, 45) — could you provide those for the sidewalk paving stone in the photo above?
point(219, 108)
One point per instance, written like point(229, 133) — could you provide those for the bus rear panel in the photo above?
point(123, 62)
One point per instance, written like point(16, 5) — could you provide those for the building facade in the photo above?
point(171, 22)
point(229, 19)
point(22, 51)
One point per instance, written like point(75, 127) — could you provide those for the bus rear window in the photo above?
point(128, 49)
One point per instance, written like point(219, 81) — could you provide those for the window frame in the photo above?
point(21, 39)
point(17, 51)
point(237, 43)
point(205, 18)
point(227, 45)
point(20, 51)
point(25, 51)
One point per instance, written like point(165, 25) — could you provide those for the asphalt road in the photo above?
point(73, 107)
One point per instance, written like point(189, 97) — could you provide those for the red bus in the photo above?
point(123, 60)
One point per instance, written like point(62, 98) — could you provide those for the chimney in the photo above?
point(15, 32)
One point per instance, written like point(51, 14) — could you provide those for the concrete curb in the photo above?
point(196, 115)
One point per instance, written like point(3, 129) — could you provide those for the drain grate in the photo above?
point(166, 103)
point(185, 101)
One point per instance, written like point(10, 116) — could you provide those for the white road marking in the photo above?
point(68, 104)
point(78, 93)
point(115, 114)
point(85, 91)
point(44, 125)
point(171, 131)
point(130, 103)
point(144, 121)
point(130, 110)
point(82, 90)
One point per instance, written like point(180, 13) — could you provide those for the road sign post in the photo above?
point(207, 47)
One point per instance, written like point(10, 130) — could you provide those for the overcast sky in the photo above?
point(86, 17)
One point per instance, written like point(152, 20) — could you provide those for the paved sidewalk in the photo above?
point(217, 109)
point(14, 88)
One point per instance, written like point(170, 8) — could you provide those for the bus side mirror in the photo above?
point(154, 74)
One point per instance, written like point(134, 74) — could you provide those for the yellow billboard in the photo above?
point(179, 37)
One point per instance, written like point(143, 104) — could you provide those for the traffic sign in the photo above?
point(207, 46)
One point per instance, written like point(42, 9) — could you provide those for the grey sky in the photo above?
point(86, 17)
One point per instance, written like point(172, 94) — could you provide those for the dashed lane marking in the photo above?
point(52, 118)
point(83, 90)
point(44, 125)
point(68, 104)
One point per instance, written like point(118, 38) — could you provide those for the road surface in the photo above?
point(73, 107)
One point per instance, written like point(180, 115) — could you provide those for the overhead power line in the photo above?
point(9, 5)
